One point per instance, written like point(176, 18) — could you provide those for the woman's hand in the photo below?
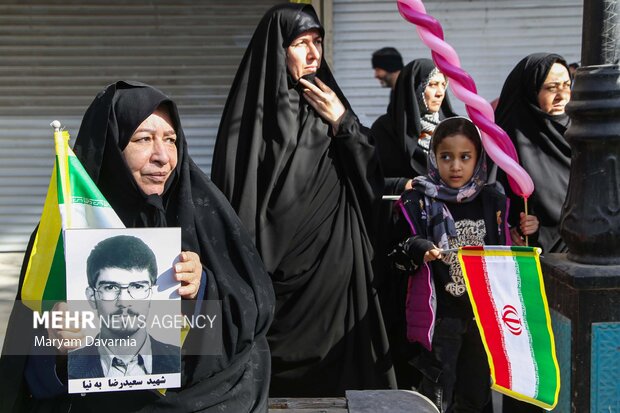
point(409, 185)
point(65, 335)
point(528, 224)
point(324, 101)
point(189, 271)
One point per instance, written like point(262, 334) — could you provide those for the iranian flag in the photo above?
point(507, 293)
point(73, 201)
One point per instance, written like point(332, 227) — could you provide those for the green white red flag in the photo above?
point(73, 201)
point(507, 293)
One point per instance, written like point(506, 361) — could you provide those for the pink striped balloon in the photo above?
point(496, 141)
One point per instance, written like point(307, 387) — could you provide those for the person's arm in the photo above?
point(355, 146)
point(42, 378)
point(46, 367)
point(43, 374)
point(396, 186)
point(411, 248)
point(359, 159)
point(413, 252)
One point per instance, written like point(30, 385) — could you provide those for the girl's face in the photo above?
point(435, 92)
point(456, 160)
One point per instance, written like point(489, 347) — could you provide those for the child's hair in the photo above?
point(457, 125)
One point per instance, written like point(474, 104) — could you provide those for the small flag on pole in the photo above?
point(73, 201)
point(507, 294)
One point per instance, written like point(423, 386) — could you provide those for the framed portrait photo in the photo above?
point(122, 299)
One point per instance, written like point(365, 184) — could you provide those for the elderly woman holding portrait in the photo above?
point(303, 176)
point(132, 145)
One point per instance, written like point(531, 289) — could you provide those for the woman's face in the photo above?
point(303, 56)
point(554, 93)
point(435, 92)
point(151, 153)
point(456, 159)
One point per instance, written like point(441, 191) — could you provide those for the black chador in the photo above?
point(539, 139)
point(235, 380)
point(309, 198)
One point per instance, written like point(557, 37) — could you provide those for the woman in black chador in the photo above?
point(132, 145)
point(303, 176)
point(531, 109)
point(402, 136)
point(417, 105)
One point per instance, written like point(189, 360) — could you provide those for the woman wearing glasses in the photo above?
point(531, 110)
point(132, 145)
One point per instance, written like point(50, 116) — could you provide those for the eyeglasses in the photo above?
point(556, 86)
point(109, 291)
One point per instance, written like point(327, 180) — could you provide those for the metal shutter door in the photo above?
point(56, 55)
point(490, 37)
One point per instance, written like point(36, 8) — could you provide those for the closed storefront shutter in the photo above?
point(55, 56)
point(490, 37)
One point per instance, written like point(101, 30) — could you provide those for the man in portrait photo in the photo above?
point(122, 271)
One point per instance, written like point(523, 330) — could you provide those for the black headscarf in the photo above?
point(539, 140)
point(396, 133)
point(128, 105)
point(266, 129)
point(238, 379)
point(308, 198)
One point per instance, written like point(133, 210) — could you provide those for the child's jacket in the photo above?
point(428, 283)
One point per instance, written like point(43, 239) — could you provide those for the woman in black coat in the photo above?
point(302, 173)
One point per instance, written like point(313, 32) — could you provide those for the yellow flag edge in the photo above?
point(184, 332)
point(43, 249)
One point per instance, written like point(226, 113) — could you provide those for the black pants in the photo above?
point(510, 405)
point(456, 373)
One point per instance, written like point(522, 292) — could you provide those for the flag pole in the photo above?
point(449, 250)
point(61, 144)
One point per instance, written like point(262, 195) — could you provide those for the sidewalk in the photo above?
point(10, 264)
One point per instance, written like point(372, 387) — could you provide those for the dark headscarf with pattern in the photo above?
point(438, 192)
